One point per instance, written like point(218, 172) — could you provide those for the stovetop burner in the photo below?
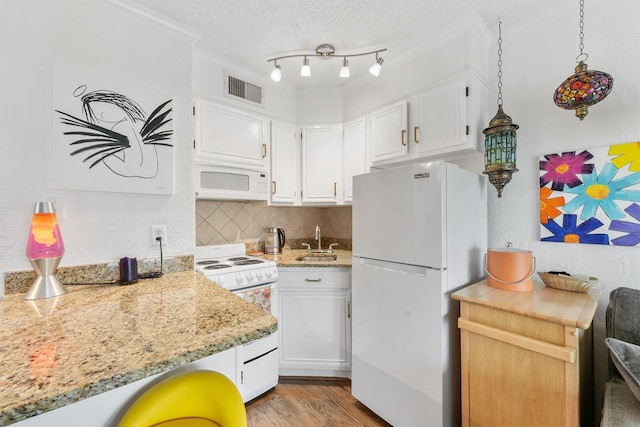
point(217, 266)
point(238, 258)
point(208, 262)
point(248, 262)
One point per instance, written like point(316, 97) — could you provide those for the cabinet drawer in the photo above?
point(314, 278)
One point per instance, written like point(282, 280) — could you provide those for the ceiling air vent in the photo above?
point(239, 88)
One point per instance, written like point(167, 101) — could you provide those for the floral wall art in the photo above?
point(110, 134)
point(591, 196)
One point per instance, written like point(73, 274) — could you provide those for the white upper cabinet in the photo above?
point(446, 119)
point(229, 136)
point(439, 118)
point(285, 164)
point(446, 122)
point(388, 132)
point(320, 162)
point(355, 154)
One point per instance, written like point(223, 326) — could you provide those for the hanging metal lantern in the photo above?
point(500, 144)
point(500, 139)
point(585, 87)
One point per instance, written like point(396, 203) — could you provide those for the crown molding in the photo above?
point(153, 16)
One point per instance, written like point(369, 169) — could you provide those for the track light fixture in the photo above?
point(276, 74)
point(305, 71)
point(344, 71)
point(377, 66)
point(326, 51)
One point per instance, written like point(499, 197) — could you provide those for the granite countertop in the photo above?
point(288, 259)
point(95, 338)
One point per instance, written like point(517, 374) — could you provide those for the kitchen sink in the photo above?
point(317, 257)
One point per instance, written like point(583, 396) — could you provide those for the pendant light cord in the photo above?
point(583, 56)
point(499, 63)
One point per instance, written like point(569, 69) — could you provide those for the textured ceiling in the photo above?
point(249, 32)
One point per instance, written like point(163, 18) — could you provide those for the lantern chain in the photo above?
point(499, 63)
point(583, 56)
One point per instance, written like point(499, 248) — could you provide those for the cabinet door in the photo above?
point(388, 128)
point(355, 154)
point(440, 119)
point(229, 136)
point(314, 322)
point(319, 179)
point(314, 329)
point(285, 164)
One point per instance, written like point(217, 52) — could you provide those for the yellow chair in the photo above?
point(189, 399)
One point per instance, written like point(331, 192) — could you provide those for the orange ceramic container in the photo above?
point(510, 269)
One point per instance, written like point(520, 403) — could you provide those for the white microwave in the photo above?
point(230, 183)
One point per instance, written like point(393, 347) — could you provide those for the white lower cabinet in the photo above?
point(315, 321)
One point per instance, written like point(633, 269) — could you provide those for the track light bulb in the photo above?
point(305, 70)
point(276, 74)
point(376, 67)
point(344, 71)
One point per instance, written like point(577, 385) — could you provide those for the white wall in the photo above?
point(319, 105)
point(96, 226)
point(537, 58)
point(208, 83)
point(422, 68)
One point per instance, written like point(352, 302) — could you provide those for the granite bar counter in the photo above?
point(95, 338)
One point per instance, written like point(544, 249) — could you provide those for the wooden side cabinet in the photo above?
point(526, 357)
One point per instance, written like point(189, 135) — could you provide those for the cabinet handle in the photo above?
point(415, 134)
point(404, 133)
point(566, 354)
point(274, 187)
point(335, 189)
point(264, 150)
point(348, 309)
point(313, 280)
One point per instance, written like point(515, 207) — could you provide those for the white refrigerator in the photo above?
point(419, 234)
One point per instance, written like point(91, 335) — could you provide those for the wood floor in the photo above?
point(311, 402)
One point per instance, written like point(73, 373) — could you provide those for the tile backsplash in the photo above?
point(219, 222)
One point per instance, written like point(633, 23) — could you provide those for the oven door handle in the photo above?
point(254, 287)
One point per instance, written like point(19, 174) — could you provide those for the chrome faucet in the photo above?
point(318, 237)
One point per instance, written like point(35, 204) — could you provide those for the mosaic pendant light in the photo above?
point(500, 138)
point(585, 87)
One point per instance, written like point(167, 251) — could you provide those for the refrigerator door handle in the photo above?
point(394, 266)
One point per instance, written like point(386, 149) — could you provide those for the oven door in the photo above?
point(263, 296)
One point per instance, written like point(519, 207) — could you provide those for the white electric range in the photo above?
point(255, 280)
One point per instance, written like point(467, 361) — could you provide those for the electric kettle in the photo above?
point(274, 240)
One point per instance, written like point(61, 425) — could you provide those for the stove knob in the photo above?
point(239, 277)
point(259, 274)
point(250, 276)
point(219, 280)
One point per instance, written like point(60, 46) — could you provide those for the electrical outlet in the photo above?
point(158, 231)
